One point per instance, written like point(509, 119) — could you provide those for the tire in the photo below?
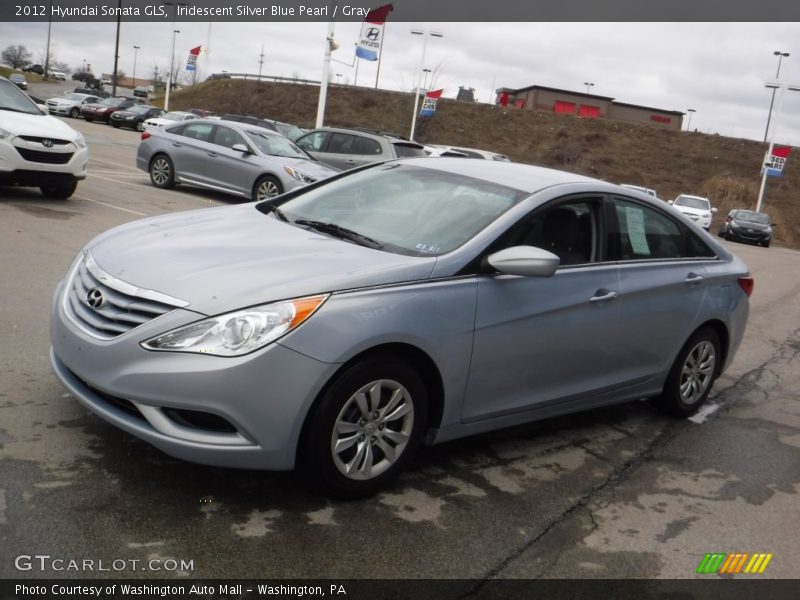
point(74, 113)
point(115, 126)
point(88, 119)
point(766, 244)
point(684, 392)
point(59, 192)
point(162, 172)
point(374, 441)
point(140, 126)
point(266, 187)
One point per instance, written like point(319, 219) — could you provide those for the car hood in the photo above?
point(700, 212)
point(227, 258)
point(312, 168)
point(751, 225)
point(38, 125)
point(121, 114)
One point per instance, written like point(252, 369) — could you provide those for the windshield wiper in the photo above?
point(340, 232)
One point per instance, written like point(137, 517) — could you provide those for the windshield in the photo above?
point(290, 131)
point(692, 202)
point(407, 151)
point(113, 101)
point(174, 116)
point(139, 110)
point(406, 209)
point(753, 217)
point(75, 96)
point(276, 145)
point(13, 99)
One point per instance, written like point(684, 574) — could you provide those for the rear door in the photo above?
point(190, 151)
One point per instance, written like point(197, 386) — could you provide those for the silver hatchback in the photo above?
point(337, 327)
point(238, 159)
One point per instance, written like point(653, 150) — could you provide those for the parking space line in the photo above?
point(127, 210)
point(112, 180)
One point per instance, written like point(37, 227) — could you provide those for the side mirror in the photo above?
point(43, 108)
point(527, 261)
point(241, 148)
point(671, 202)
point(714, 209)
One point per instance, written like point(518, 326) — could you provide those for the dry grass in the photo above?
point(671, 162)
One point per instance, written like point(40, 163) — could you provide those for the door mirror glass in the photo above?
point(528, 261)
point(241, 148)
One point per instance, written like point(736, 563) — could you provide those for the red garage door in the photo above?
point(564, 107)
point(589, 111)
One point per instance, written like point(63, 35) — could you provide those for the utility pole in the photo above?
point(116, 51)
point(260, 61)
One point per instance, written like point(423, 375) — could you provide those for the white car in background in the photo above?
point(639, 188)
point(168, 119)
point(697, 208)
point(36, 149)
point(467, 152)
point(58, 75)
point(70, 104)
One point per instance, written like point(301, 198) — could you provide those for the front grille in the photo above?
point(50, 158)
point(39, 140)
point(117, 313)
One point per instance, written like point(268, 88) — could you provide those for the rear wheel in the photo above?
point(365, 427)
point(89, 119)
point(59, 192)
point(692, 374)
point(162, 173)
point(767, 243)
point(74, 113)
point(266, 187)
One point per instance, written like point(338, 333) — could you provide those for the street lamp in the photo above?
point(174, 3)
point(781, 56)
point(689, 125)
point(135, 54)
point(425, 81)
point(771, 132)
point(425, 35)
point(588, 85)
point(84, 64)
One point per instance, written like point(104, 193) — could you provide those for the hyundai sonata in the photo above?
point(338, 326)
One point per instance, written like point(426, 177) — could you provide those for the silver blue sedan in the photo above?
point(234, 158)
point(337, 327)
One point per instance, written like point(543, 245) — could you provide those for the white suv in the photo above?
point(36, 149)
point(697, 208)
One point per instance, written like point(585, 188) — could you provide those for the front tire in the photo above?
point(365, 427)
point(162, 172)
point(692, 374)
point(74, 113)
point(140, 126)
point(266, 187)
point(59, 192)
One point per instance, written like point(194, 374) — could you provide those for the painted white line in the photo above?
point(127, 210)
point(702, 415)
point(108, 162)
point(112, 180)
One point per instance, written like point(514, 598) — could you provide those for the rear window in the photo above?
point(408, 150)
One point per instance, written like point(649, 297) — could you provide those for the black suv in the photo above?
point(747, 226)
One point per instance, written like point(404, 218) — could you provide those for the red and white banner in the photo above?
point(191, 62)
point(774, 163)
point(429, 104)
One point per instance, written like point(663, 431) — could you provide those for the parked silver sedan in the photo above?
point(337, 327)
point(235, 158)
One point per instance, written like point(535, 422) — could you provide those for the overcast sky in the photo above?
point(719, 69)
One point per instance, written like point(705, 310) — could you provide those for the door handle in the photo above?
point(603, 296)
point(693, 278)
point(177, 144)
point(212, 154)
point(350, 162)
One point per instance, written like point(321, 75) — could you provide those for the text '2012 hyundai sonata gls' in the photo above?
point(337, 327)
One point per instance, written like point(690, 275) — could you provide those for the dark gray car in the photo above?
point(348, 148)
point(338, 327)
point(235, 158)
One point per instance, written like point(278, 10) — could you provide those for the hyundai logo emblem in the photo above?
point(373, 33)
point(94, 298)
point(47, 143)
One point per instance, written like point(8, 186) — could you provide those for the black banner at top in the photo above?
point(404, 10)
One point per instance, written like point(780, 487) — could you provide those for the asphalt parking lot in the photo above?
point(618, 492)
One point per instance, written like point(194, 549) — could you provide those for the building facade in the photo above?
point(592, 106)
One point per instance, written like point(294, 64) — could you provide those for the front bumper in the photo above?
point(743, 234)
point(263, 397)
point(14, 169)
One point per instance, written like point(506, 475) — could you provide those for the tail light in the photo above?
point(728, 219)
point(746, 283)
point(146, 134)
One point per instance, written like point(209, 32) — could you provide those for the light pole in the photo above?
point(689, 125)
point(771, 133)
point(84, 64)
point(135, 54)
point(174, 3)
point(588, 85)
point(425, 81)
point(781, 56)
point(425, 35)
point(338, 78)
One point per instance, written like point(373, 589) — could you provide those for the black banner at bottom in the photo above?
point(402, 589)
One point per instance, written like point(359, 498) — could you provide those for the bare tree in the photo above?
point(16, 56)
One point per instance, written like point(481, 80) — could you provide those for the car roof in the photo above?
point(526, 178)
point(238, 125)
point(690, 196)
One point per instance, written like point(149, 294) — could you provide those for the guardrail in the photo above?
point(257, 77)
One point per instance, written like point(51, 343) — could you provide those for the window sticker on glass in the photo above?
point(427, 248)
point(636, 234)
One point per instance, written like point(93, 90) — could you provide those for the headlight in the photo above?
point(299, 175)
point(80, 141)
point(240, 332)
point(4, 134)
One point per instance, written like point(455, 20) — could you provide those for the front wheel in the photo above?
point(140, 126)
point(162, 173)
point(692, 374)
point(365, 427)
point(59, 192)
point(74, 113)
point(267, 187)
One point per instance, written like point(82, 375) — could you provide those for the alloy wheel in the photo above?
point(697, 372)
point(160, 171)
point(267, 189)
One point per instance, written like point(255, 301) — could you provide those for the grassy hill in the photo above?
point(671, 162)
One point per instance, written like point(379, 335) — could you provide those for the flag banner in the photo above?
point(191, 62)
point(774, 163)
point(369, 48)
point(429, 104)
